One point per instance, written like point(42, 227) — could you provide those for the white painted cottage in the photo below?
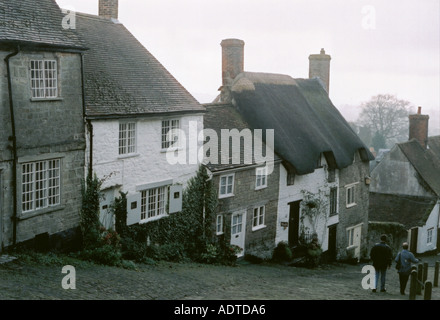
point(132, 104)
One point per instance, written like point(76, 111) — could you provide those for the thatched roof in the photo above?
point(305, 121)
point(220, 116)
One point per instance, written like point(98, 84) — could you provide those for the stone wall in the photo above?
point(258, 242)
point(357, 214)
point(45, 129)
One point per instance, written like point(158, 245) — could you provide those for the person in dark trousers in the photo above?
point(382, 257)
point(406, 258)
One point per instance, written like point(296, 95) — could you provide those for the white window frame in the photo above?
point(44, 78)
point(170, 140)
point(219, 225)
point(260, 178)
point(429, 235)
point(153, 203)
point(259, 218)
point(227, 185)
point(350, 195)
point(127, 138)
point(40, 185)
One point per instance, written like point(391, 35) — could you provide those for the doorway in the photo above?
point(238, 230)
point(332, 231)
point(413, 240)
point(294, 214)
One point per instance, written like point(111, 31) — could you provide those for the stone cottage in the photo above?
point(323, 188)
point(405, 187)
point(42, 141)
point(247, 186)
point(140, 121)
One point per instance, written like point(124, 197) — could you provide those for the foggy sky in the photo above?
point(376, 46)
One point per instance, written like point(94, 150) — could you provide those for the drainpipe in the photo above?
point(88, 122)
point(13, 138)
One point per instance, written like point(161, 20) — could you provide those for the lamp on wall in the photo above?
point(367, 180)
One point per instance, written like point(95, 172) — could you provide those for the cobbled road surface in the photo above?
point(21, 280)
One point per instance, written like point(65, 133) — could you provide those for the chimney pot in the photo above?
point(419, 110)
point(108, 9)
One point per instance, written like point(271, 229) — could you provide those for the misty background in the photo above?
point(377, 47)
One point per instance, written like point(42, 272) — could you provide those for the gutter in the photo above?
point(13, 138)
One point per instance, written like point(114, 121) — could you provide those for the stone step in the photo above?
point(6, 258)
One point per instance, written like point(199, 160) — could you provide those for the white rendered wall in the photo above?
point(149, 164)
point(315, 183)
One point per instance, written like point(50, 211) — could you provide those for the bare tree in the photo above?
point(386, 116)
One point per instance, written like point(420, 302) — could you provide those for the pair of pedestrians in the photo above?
point(382, 257)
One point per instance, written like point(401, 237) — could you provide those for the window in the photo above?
point(261, 178)
point(319, 162)
point(350, 195)
point(333, 201)
point(40, 184)
point(258, 218)
point(153, 203)
point(219, 224)
point(170, 138)
point(127, 138)
point(237, 224)
point(429, 235)
point(226, 185)
point(350, 237)
point(44, 79)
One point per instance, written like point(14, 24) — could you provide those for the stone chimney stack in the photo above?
point(108, 9)
point(418, 127)
point(319, 66)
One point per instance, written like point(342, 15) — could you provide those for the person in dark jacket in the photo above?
point(406, 258)
point(382, 257)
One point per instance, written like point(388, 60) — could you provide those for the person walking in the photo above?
point(382, 257)
point(405, 258)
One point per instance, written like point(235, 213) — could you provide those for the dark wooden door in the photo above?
point(332, 230)
point(413, 242)
point(294, 223)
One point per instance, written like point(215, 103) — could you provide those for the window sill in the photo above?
point(219, 233)
point(260, 188)
point(126, 156)
point(351, 205)
point(46, 99)
point(225, 196)
point(171, 150)
point(259, 227)
point(39, 212)
point(153, 219)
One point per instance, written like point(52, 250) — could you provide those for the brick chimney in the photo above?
point(232, 65)
point(108, 9)
point(418, 127)
point(319, 66)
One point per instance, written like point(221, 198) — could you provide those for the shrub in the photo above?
point(105, 254)
point(282, 252)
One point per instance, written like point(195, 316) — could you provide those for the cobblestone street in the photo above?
point(20, 280)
